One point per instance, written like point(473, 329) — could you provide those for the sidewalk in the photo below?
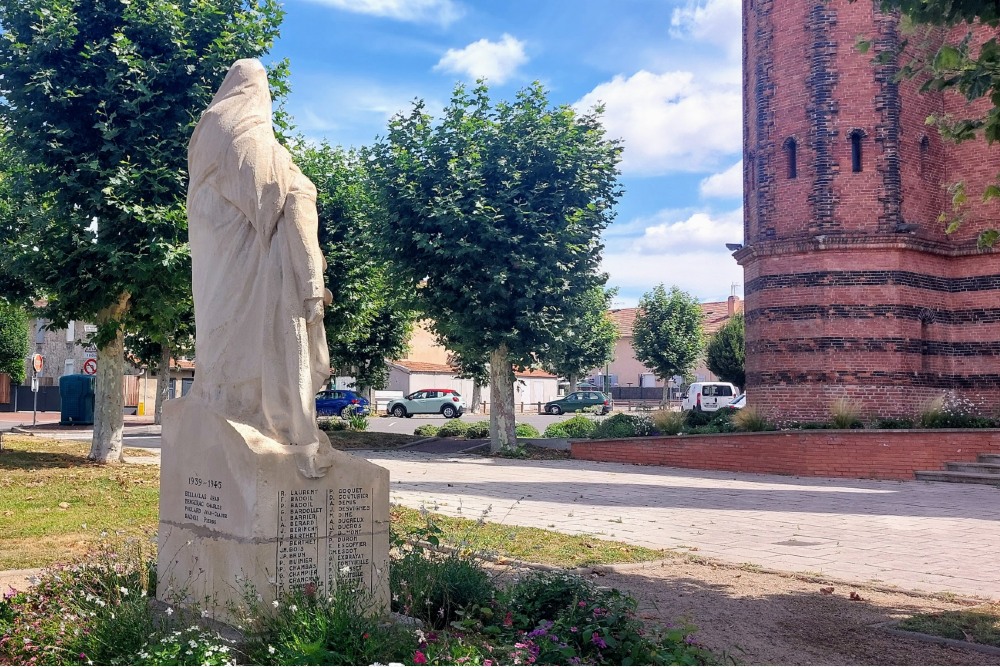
point(926, 536)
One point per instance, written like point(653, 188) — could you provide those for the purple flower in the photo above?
point(597, 641)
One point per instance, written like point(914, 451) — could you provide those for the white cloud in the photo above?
point(415, 11)
point(724, 185)
point(718, 22)
point(670, 122)
point(495, 61)
point(707, 275)
point(699, 231)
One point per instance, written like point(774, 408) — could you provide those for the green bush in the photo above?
point(333, 425)
point(892, 423)
point(751, 418)
point(695, 418)
point(555, 430)
point(426, 430)
point(435, 590)
point(480, 429)
point(667, 422)
point(623, 425)
point(845, 413)
point(526, 431)
point(453, 428)
point(580, 426)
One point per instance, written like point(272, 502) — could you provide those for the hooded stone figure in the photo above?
point(257, 269)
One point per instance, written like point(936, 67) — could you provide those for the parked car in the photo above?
point(708, 396)
point(579, 400)
point(446, 402)
point(739, 402)
point(341, 402)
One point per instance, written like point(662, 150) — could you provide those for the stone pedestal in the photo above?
point(235, 511)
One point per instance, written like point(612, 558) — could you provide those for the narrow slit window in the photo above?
point(856, 151)
point(925, 147)
point(791, 149)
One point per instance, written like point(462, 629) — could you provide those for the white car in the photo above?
point(446, 402)
point(708, 396)
point(739, 402)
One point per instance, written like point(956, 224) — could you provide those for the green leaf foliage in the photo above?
point(371, 316)
point(14, 341)
point(725, 354)
point(494, 215)
point(667, 332)
point(588, 340)
point(103, 96)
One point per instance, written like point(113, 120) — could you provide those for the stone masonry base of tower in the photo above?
point(888, 322)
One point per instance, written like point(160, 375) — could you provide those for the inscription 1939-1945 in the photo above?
point(203, 502)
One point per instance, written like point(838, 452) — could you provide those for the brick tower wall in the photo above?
point(852, 287)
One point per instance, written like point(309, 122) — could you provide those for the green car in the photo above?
point(579, 400)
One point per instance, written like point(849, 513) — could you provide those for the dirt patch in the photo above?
point(763, 618)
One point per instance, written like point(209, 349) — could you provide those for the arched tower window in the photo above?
point(791, 154)
point(856, 136)
point(925, 149)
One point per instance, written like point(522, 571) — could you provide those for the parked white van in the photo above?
point(709, 396)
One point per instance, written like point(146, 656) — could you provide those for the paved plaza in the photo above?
point(927, 536)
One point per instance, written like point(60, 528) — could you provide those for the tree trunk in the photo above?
point(572, 383)
point(162, 383)
point(502, 434)
point(666, 393)
point(477, 398)
point(109, 399)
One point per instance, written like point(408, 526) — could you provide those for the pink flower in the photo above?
point(508, 620)
point(419, 658)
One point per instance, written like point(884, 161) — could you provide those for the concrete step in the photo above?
point(989, 458)
point(965, 466)
point(963, 477)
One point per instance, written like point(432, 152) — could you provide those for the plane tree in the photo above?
point(494, 216)
point(667, 333)
point(102, 98)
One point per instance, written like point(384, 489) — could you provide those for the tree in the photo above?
point(495, 216)
point(588, 342)
point(725, 354)
point(14, 341)
point(371, 318)
point(103, 96)
point(667, 333)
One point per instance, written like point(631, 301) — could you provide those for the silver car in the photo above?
point(445, 402)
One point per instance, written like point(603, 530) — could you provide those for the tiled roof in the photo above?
point(533, 373)
point(425, 367)
point(715, 312)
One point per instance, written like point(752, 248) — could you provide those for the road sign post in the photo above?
point(34, 393)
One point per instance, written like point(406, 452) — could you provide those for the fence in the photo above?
point(20, 396)
point(5, 396)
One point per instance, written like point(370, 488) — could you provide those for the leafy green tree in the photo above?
point(588, 342)
point(14, 341)
point(494, 216)
point(667, 333)
point(103, 96)
point(371, 318)
point(726, 352)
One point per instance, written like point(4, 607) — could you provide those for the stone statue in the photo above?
point(257, 272)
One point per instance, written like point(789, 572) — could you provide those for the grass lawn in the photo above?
point(53, 503)
point(979, 624)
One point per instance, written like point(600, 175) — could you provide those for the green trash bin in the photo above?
point(76, 393)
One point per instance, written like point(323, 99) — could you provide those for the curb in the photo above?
point(941, 641)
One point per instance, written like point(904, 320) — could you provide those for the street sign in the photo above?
point(38, 363)
point(90, 352)
point(90, 366)
point(34, 383)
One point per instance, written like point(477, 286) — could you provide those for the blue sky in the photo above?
point(667, 72)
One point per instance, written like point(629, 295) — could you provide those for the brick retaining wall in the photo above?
point(856, 454)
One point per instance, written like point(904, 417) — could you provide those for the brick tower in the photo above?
point(852, 287)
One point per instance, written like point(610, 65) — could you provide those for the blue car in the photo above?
point(341, 402)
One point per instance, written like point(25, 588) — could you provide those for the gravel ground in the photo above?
point(762, 618)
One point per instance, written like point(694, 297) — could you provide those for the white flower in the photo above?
point(204, 613)
point(274, 604)
point(270, 650)
point(346, 569)
point(170, 611)
point(293, 608)
point(143, 594)
point(123, 590)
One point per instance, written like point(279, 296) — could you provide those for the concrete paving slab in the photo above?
point(926, 536)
